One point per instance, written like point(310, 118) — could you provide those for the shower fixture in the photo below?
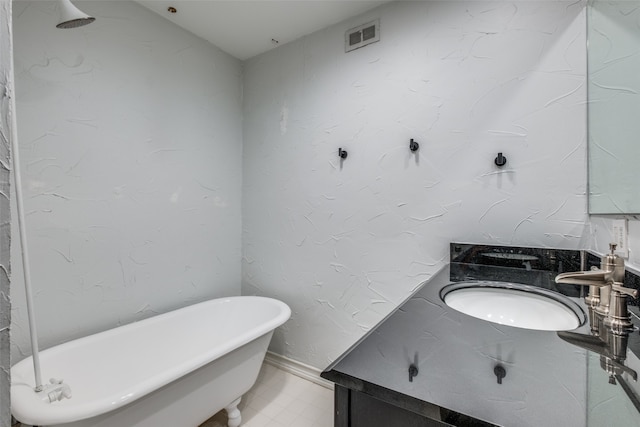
point(71, 16)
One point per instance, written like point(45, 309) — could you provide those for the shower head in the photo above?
point(71, 16)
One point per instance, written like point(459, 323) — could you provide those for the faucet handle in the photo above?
point(626, 291)
point(618, 319)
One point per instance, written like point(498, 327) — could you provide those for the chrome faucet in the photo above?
point(607, 295)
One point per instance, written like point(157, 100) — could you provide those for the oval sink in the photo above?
point(513, 304)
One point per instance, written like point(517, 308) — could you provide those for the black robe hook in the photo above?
point(500, 373)
point(500, 160)
point(413, 146)
point(342, 153)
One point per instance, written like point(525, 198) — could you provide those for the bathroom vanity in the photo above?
point(427, 364)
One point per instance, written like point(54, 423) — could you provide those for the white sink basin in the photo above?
point(521, 306)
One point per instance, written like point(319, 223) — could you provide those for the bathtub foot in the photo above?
point(235, 418)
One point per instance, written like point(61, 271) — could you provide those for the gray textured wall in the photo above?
point(343, 245)
point(6, 88)
point(113, 237)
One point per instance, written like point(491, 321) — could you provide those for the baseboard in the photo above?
point(296, 368)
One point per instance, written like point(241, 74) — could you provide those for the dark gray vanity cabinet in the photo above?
point(357, 409)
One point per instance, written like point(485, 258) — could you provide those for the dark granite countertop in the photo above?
point(548, 382)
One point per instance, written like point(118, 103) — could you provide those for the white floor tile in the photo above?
point(257, 420)
point(280, 399)
point(286, 418)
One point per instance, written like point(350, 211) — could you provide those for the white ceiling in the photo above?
point(245, 28)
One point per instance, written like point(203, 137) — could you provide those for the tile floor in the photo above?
point(280, 399)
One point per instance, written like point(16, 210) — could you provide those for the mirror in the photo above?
point(613, 35)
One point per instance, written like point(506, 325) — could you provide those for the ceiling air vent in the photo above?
point(363, 35)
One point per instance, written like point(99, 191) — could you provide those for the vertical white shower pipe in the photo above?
point(15, 154)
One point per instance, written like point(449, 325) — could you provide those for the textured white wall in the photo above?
point(344, 244)
point(6, 112)
point(131, 144)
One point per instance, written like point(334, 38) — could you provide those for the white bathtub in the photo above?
point(175, 370)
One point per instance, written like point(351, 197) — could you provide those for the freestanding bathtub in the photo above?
point(176, 369)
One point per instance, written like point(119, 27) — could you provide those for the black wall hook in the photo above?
point(413, 146)
point(342, 153)
point(413, 372)
point(500, 373)
point(500, 160)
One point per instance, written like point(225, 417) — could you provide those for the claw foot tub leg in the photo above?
point(233, 413)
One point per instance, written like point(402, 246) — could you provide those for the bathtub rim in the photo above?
point(29, 408)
